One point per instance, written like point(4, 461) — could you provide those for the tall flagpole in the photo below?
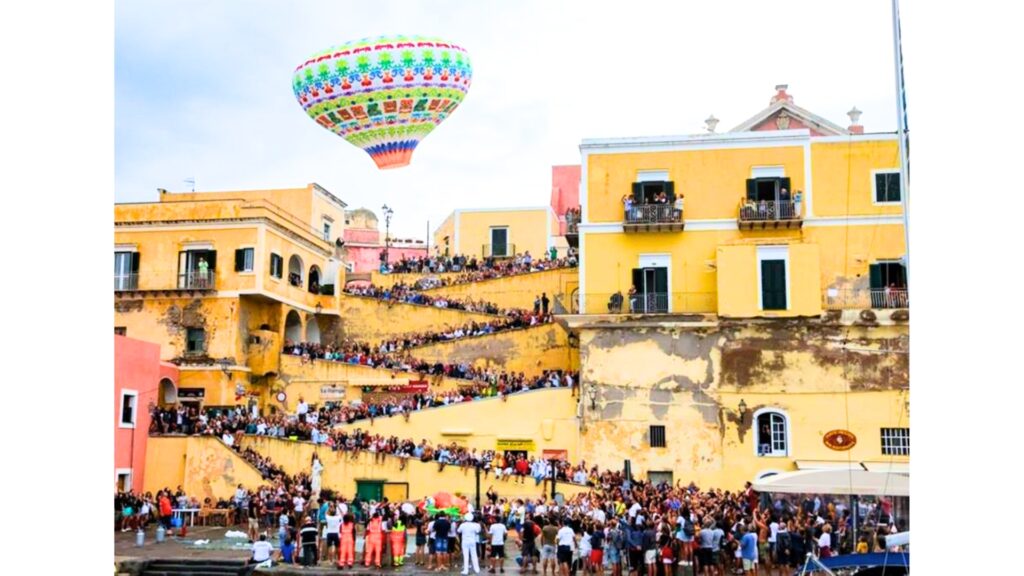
point(901, 117)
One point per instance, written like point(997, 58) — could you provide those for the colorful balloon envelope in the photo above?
point(384, 95)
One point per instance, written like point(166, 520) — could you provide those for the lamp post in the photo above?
point(387, 230)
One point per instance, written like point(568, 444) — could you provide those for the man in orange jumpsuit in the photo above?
point(374, 541)
point(347, 550)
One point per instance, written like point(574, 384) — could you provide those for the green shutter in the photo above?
point(211, 259)
point(239, 259)
point(875, 274)
point(670, 191)
point(751, 189)
point(785, 183)
point(638, 192)
point(135, 262)
point(773, 284)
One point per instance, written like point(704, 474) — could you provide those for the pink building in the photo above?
point(565, 192)
point(364, 243)
point(140, 379)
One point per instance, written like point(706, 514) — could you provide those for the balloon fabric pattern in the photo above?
point(386, 94)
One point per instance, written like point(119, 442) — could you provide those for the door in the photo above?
point(499, 241)
point(370, 490)
point(651, 290)
point(773, 284)
point(656, 478)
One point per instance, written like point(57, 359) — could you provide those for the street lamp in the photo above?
point(387, 230)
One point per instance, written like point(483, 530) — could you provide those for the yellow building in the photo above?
point(221, 279)
point(498, 232)
point(762, 265)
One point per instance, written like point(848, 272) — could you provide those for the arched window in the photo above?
point(314, 279)
point(771, 432)
point(312, 330)
point(295, 270)
point(293, 327)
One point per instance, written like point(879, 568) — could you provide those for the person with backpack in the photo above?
point(528, 544)
point(616, 544)
point(685, 535)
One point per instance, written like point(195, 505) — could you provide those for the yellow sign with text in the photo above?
point(516, 444)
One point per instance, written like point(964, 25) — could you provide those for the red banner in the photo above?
point(414, 387)
point(555, 454)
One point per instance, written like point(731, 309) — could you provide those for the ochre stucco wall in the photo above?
point(202, 465)
point(529, 350)
point(371, 320)
point(517, 291)
point(691, 381)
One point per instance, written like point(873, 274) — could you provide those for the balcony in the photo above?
point(498, 250)
point(126, 282)
point(769, 215)
point(644, 303)
point(572, 230)
point(652, 218)
point(866, 298)
point(197, 280)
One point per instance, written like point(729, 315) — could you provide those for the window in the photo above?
point(888, 282)
point(124, 479)
point(327, 230)
point(896, 441)
point(128, 400)
point(121, 330)
point(772, 435)
point(499, 242)
point(244, 259)
point(196, 269)
point(887, 187)
point(195, 341)
point(657, 437)
point(126, 270)
point(773, 277)
point(276, 266)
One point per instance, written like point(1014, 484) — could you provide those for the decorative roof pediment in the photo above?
point(783, 114)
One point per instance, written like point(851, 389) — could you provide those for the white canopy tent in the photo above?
point(849, 482)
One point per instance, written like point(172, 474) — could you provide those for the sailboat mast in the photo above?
point(901, 119)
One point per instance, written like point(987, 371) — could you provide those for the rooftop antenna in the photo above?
point(191, 181)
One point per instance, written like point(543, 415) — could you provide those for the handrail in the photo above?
point(768, 211)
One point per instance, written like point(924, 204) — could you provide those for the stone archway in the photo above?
point(312, 330)
point(168, 392)
point(293, 327)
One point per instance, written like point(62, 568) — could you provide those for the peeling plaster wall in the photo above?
point(528, 350)
point(691, 381)
point(371, 320)
point(164, 321)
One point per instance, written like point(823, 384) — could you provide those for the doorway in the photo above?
point(368, 490)
point(651, 284)
point(499, 242)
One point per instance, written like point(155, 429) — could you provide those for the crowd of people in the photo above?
point(407, 294)
point(473, 269)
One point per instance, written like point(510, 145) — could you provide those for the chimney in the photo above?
point(855, 127)
point(780, 94)
point(161, 191)
point(711, 123)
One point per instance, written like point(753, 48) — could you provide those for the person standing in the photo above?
point(254, 517)
point(544, 303)
point(398, 541)
point(309, 540)
point(536, 306)
point(347, 554)
point(566, 539)
point(825, 542)
point(374, 541)
point(165, 510)
point(548, 535)
point(442, 528)
point(498, 532)
point(597, 550)
point(528, 543)
point(748, 549)
point(332, 523)
point(469, 533)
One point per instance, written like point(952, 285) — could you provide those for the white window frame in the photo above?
point(874, 187)
point(652, 176)
point(122, 278)
point(773, 253)
point(328, 227)
point(118, 472)
point(788, 432)
point(767, 172)
point(508, 241)
point(135, 409)
point(895, 436)
point(658, 260)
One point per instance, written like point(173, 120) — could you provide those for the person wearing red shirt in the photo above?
point(165, 510)
point(521, 469)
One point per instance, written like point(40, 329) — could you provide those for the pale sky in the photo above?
point(203, 89)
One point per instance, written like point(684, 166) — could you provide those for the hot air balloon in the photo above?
point(384, 94)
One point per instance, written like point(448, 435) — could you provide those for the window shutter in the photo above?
point(875, 274)
point(239, 259)
point(670, 191)
point(751, 189)
point(638, 280)
point(135, 262)
point(773, 285)
point(182, 269)
point(638, 192)
point(893, 189)
point(211, 259)
point(784, 183)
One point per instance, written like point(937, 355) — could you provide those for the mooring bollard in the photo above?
point(160, 533)
point(140, 537)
